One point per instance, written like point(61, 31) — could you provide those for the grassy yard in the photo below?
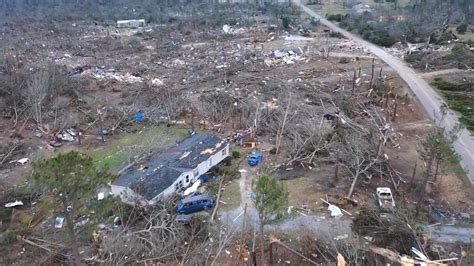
point(469, 35)
point(230, 196)
point(330, 9)
point(305, 190)
point(333, 8)
point(120, 151)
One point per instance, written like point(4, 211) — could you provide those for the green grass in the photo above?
point(460, 103)
point(458, 100)
point(332, 9)
point(123, 149)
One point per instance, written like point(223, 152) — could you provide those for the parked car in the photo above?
point(385, 199)
point(195, 204)
point(255, 159)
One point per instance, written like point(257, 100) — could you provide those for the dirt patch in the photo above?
point(454, 192)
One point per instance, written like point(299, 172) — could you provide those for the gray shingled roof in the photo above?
point(162, 169)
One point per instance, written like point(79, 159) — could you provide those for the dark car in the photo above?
point(195, 204)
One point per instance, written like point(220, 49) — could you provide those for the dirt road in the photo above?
point(427, 96)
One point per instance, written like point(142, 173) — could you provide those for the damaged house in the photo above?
point(171, 171)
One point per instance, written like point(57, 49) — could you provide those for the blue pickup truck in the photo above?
point(255, 158)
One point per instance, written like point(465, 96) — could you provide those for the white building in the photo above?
point(134, 23)
point(171, 171)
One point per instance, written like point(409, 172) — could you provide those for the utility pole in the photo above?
point(336, 169)
point(192, 119)
point(101, 125)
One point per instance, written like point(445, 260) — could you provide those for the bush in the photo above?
point(382, 39)
point(445, 37)
point(335, 34)
point(5, 215)
point(286, 22)
point(444, 85)
point(335, 17)
point(314, 22)
point(458, 51)
point(344, 60)
point(236, 154)
point(462, 28)
point(10, 236)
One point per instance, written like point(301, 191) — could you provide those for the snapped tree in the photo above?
point(271, 198)
point(68, 179)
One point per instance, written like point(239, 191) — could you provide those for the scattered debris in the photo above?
point(100, 196)
point(68, 135)
point(55, 144)
point(81, 223)
point(23, 161)
point(297, 38)
point(335, 211)
point(231, 30)
point(340, 260)
point(190, 190)
point(59, 222)
point(226, 28)
point(14, 204)
point(184, 218)
point(341, 237)
point(287, 57)
point(157, 82)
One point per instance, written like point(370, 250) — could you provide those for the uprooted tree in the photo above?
point(359, 156)
point(399, 233)
point(151, 234)
point(271, 199)
point(67, 180)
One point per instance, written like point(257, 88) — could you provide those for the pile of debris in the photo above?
point(285, 57)
point(99, 72)
point(345, 44)
point(400, 50)
point(231, 30)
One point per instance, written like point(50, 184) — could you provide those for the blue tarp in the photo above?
point(139, 117)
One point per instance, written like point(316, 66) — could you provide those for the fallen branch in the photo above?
point(35, 245)
point(277, 241)
point(217, 200)
point(327, 202)
point(9, 153)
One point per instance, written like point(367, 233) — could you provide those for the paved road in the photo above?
point(451, 234)
point(427, 96)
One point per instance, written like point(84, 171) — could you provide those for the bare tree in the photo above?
point(358, 158)
point(171, 101)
